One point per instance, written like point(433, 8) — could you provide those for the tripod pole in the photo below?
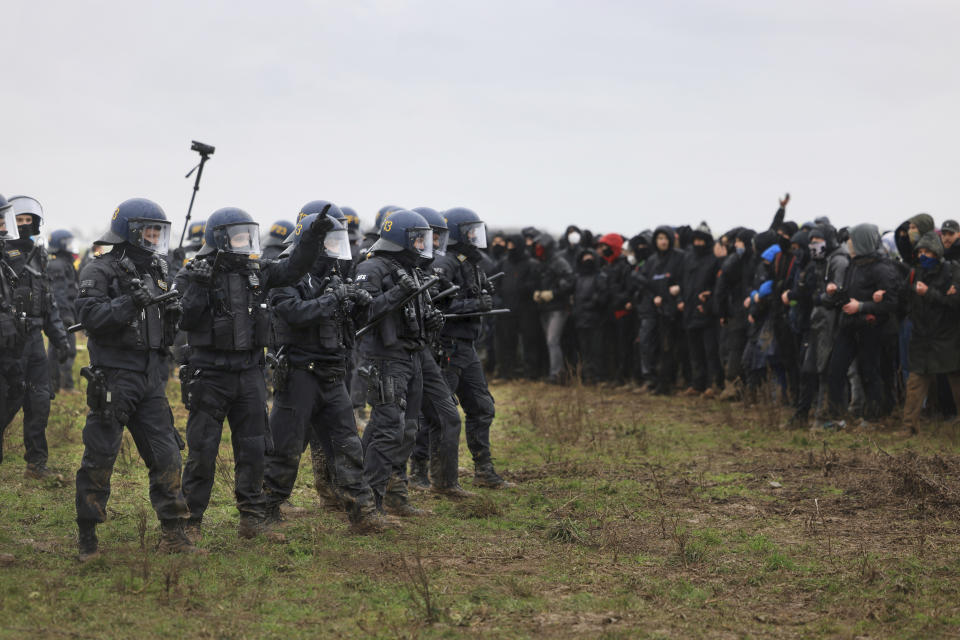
point(196, 187)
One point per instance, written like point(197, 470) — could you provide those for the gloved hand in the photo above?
point(62, 347)
point(320, 226)
point(361, 297)
point(406, 282)
point(546, 296)
point(339, 291)
point(433, 320)
point(173, 310)
point(200, 271)
point(536, 296)
point(485, 301)
point(141, 297)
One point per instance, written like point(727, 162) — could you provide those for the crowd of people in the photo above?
point(390, 330)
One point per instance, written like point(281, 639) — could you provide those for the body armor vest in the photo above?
point(326, 333)
point(146, 331)
point(239, 319)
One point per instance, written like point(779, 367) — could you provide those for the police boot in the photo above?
point(276, 517)
point(252, 526)
point(484, 475)
point(192, 529)
point(418, 474)
point(395, 500)
point(441, 487)
point(40, 471)
point(328, 497)
point(291, 511)
point(87, 543)
point(173, 539)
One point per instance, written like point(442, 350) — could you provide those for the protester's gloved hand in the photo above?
point(546, 296)
point(141, 297)
point(537, 296)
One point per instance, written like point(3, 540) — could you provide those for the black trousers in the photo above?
point(11, 389)
point(139, 403)
point(439, 435)
point(33, 395)
point(861, 342)
point(312, 405)
point(592, 354)
point(240, 398)
point(704, 357)
point(390, 433)
point(464, 376)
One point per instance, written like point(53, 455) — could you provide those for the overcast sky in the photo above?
point(613, 115)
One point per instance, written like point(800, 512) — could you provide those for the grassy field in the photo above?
point(634, 517)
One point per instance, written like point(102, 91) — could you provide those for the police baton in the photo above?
point(446, 293)
point(164, 297)
point(429, 282)
point(476, 314)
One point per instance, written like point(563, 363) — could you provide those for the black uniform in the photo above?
point(65, 286)
point(391, 364)
point(126, 345)
point(227, 323)
point(12, 333)
point(34, 303)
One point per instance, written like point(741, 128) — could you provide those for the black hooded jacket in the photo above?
point(554, 274)
point(700, 269)
point(662, 270)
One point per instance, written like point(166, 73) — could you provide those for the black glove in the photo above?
point(485, 301)
point(433, 320)
point(360, 297)
point(320, 226)
point(200, 271)
point(62, 347)
point(406, 282)
point(141, 297)
point(174, 311)
point(340, 291)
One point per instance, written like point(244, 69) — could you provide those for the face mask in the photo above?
point(741, 250)
point(914, 235)
point(25, 231)
point(588, 266)
point(573, 238)
point(631, 259)
point(928, 263)
point(701, 249)
point(498, 250)
point(818, 250)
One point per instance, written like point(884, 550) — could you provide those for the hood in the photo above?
point(544, 246)
point(924, 222)
point(615, 242)
point(931, 241)
point(582, 264)
point(668, 231)
point(763, 240)
point(865, 239)
point(563, 243)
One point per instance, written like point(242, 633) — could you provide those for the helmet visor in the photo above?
point(152, 235)
point(420, 242)
point(241, 237)
point(336, 244)
point(23, 205)
point(440, 237)
point(8, 223)
point(474, 233)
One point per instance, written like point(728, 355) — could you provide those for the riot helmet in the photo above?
point(8, 221)
point(405, 231)
point(280, 230)
point(62, 240)
point(141, 223)
point(465, 227)
point(321, 206)
point(441, 232)
point(194, 238)
point(231, 230)
point(27, 206)
point(383, 214)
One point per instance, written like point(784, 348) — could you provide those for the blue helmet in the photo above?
point(195, 234)
point(405, 231)
point(279, 231)
point(336, 244)
point(353, 220)
point(231, 230)
point(466, 227)
point(383, 214)
point(317, 206)
point(438, 223)
point(8, 221)
point(140, 222)
point(60, 241)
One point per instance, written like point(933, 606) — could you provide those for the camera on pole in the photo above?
point(205, 151)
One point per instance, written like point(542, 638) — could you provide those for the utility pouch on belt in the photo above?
point(187, 375)
point(98, 396)
point(281, 373)
point(376, 392)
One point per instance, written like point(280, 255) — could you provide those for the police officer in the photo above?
point(389, 354)
point(227, 322)
point(34, 303)
point(463, 371)
point(11, 325)
point(273, 245)
point(434, 463)
point(63, 279)
point(310, 393)
point(127, 335)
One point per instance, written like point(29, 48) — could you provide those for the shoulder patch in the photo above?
point(13, 253)
point(361, 276)
point(162, 284)
point(461, 257)
point(86, 284)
